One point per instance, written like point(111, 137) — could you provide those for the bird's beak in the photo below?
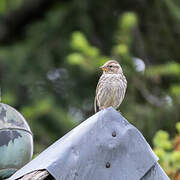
point(104, 68)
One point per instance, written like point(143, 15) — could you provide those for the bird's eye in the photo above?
point(110, 66)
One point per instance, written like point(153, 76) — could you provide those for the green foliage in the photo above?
point(8, 5)
point(2, 6)
point(79, 42)
point(50, 74)
point(174, 9)
point(175, 89)
point(75, 58)
point(120, 49)
point(166, 69)
point(161, 140)
point(128, 21)
point(178, 127)
point(8, 98)
point(168, 151)
point(85, 55)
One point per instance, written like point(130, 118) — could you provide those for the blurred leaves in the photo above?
point(50, 74)
point(120, 49)
point(8, 5)
point(39, 108)
point(178, 127)
point(128, 21)
point(174, 9)
point(161, 140)
point(85, 55)
point(175, 89)
point(168, 151)
point(166, 69)
point(8, 98)
point(79, 42)
point(2, 6)
point(75, 58)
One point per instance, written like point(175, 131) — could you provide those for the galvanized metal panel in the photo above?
point(155, 173)
point(105, 146)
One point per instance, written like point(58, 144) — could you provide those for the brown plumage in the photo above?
point(111, 87)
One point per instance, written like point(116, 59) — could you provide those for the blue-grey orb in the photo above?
point(16, 141)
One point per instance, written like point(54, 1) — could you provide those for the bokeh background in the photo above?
point(50, 51)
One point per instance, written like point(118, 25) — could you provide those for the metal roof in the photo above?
point(105, 146)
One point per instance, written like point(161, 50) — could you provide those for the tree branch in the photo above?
point(37, 175)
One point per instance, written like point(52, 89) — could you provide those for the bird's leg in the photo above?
point(103, 107)
point(119, 111)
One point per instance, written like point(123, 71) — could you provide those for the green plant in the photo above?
point(168, 151)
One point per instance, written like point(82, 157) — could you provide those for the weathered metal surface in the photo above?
point(105, 146)
point(155, 173)
point(16, 143)
point(10, 118)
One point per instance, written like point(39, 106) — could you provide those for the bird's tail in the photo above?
point(96, 107)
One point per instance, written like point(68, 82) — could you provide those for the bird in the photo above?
point(111, 87)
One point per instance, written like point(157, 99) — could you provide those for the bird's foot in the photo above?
point(119, 111)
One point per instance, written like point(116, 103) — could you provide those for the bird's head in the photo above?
point(111, 67)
